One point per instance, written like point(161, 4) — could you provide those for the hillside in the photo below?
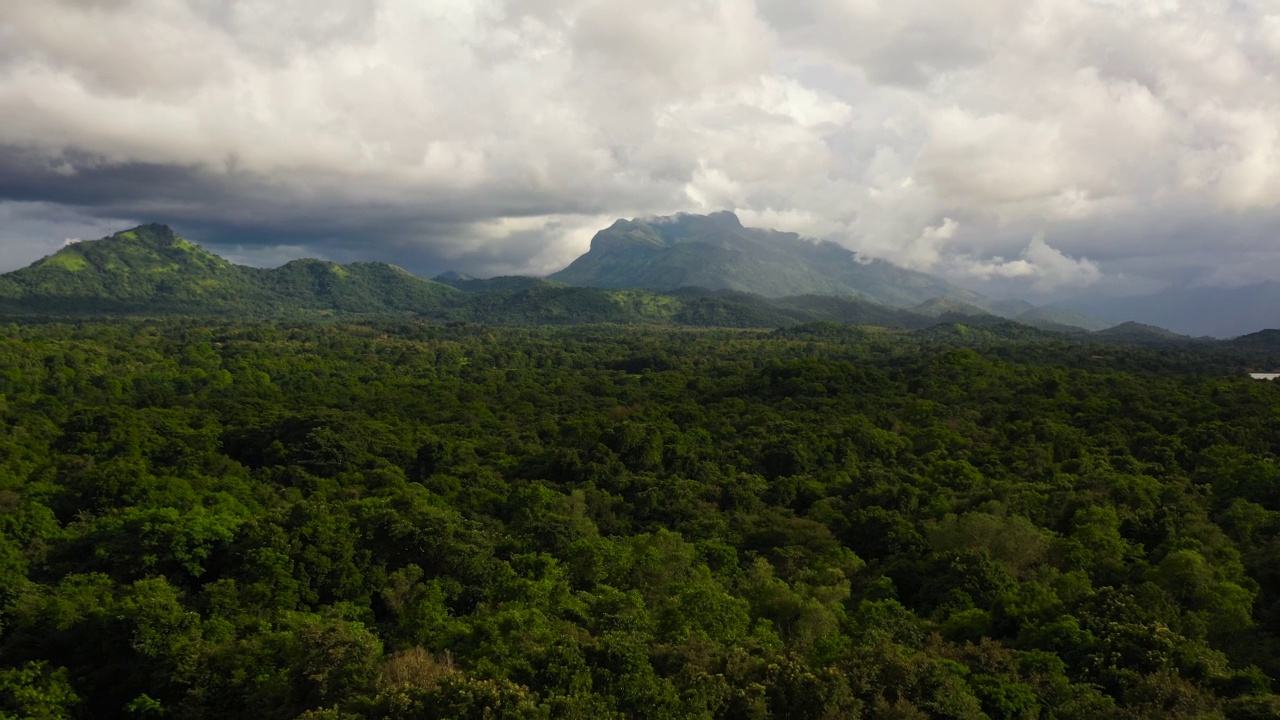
point(151, 270)
point(716, 252)
point(133, 270)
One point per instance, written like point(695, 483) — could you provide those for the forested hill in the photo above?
point(338, 521)
point(151, 270)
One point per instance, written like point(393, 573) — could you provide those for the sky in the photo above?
point(1033, 148)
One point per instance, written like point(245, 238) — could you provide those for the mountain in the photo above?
point(146, 266)
point(151, 270)
point(716, 252)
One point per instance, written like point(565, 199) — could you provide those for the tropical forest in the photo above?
point(542, 501)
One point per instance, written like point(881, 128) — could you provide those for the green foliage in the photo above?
point(34, 691)
point(344, 520)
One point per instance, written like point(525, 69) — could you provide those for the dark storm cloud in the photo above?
point(77, 178)
point(242, 214)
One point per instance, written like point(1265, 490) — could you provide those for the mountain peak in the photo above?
point(129, 267)
point(146, 248)
point(717, 252)
point(150, 230)
point(724, 217)
point(151, 234)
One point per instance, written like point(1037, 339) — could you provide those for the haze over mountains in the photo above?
point(1204, 310)
point(683, 270)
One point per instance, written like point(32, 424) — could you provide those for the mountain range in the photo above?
point(684, 270)
point(151, 270)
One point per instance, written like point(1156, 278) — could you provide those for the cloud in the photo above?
point(1047, 267)
point(1248, 269)
point(494, 135)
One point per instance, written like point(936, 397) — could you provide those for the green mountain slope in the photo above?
point(144, 267)
point(150, 269)
point(716, 252)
